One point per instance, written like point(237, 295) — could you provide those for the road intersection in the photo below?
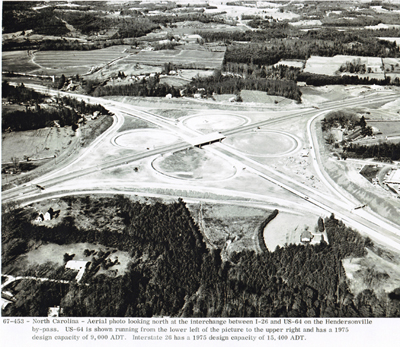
point(377, 227)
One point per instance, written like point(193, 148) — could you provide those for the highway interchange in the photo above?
point(337, 202)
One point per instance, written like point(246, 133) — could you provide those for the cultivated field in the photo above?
point(63, 62)
point(17, 61)
point(185, 58)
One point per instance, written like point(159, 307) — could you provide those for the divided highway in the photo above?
point(376, 226)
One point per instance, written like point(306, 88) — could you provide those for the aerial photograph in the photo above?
point(200, 158)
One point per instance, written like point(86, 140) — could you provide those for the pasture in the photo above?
point(183, 58)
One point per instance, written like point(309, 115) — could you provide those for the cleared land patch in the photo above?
point(194, 164)
point(263, 143)
point(286, 228)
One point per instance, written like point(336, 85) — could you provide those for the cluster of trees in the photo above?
point(37, 118)
point(82, 107)
point(353, 66)
point(294, 281)
point(220, 84)
point(343, 119)
point(382, 151)
point(271, 72)
point(20, 94)
point(322, 80)
point(66, 113)
point(145, 87)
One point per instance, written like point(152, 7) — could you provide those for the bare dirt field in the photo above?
point(194, 164)
point(229, 227)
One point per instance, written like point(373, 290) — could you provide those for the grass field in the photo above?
point(207, 123)
point(188, 58)
point(35, 143)
point(174, 81)
point(387, 128)
point(144, 139)
point(329, 65)
point(263, 143)
point(194, 164)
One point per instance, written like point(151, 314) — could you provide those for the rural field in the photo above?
point(182, 58)
point(330, 65)
point(18, 61)
point(36, 144)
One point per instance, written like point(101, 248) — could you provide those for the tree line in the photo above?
point(220, 84)
point(173, 273)
point(385, 150)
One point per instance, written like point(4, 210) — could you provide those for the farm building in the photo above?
point(192, 38)
point(306, 236)
point(79, 265)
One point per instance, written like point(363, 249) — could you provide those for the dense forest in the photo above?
point(293, 281)
point(19, 94)
point(145, 87)
point(18, 16)
point(66, 112)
